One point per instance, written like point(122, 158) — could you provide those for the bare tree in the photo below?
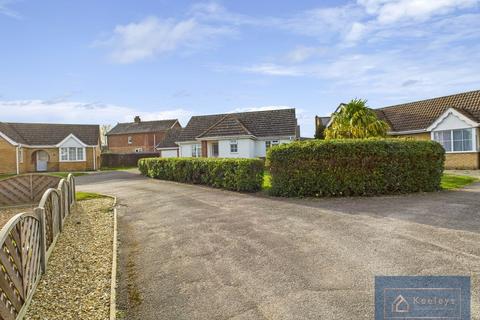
point(104, 128)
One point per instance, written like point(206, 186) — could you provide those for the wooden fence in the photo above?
point(111, 160)
point(25, 189)
point(27, 241)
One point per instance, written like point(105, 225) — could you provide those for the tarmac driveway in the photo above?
point(191, 252)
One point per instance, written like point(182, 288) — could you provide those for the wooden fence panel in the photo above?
point(28, 238)
point(20, 262)
point(25, 189)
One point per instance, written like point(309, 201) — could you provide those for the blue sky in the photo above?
point(106, 61)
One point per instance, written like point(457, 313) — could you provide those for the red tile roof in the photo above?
point(420, 115)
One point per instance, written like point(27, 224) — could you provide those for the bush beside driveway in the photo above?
point(196, 252)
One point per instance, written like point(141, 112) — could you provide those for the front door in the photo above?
point(42, 161)
point(215, 149)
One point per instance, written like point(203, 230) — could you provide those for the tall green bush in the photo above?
point(231, 174)
point(355, 167)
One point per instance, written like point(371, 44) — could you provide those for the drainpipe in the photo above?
point(94, 158)
point(16, 160)
point(154, 142)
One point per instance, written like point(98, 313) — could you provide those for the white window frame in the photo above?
point(66, 151)
point(474, 139)
point(129, 139)
point(271, 143)
point(196, 150)
point(234, 143)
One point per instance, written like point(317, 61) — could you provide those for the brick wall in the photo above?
point(8, 159)
point(119, 143)
point(417, 136)
point(462, 160)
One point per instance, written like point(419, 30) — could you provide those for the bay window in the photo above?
point(458, 140)
point(72, 154)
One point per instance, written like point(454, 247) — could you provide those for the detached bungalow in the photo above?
point(36, 147)
point(237, 135)
point(452, 120)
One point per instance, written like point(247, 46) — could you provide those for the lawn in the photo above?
point(5, 176)
point(449, 181)
point(65, 174)
point(88, 196)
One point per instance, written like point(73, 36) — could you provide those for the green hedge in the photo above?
point(231, 174)
point(355, 167)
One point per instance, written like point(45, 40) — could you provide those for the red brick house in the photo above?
point(138, 136)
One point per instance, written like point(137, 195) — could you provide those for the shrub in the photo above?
point(231, 174)
point(355, 167)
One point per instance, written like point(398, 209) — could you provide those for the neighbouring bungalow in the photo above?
point(236, 135)
point(37, 147)
point(138, 136)
point(452, 120)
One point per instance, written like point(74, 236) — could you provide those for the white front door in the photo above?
point(42, 161)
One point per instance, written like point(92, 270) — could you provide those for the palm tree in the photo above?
point(355, 120)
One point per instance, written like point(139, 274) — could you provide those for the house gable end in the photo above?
point(452, 119)
point(71, 141)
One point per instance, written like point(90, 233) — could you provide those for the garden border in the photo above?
point(113, 281)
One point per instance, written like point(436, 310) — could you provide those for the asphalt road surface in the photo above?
point(192, 252)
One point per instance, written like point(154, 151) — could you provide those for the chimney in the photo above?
point(137, 119)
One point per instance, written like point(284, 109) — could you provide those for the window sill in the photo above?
point(457, 152)
point(73, 160)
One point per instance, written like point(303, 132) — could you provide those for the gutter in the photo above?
point(407, 132)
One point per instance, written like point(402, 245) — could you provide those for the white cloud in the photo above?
point(303, 53)
point(59, 111)
point(357, 31)
point(391, 11)
point(5, 9)
point(152, 36)
point(274, 70)
point(326, 24)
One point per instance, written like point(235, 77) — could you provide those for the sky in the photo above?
point(104, 62)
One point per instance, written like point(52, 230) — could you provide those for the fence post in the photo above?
point(61, 211)
point(40, 212)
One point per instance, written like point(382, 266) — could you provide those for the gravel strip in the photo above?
point(7, 213)
point(77, 282)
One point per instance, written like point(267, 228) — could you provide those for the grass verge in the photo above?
point(88, 196)
point(117, 168)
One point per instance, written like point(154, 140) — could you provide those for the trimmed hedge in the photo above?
point(355, 167)
point(231, 174)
